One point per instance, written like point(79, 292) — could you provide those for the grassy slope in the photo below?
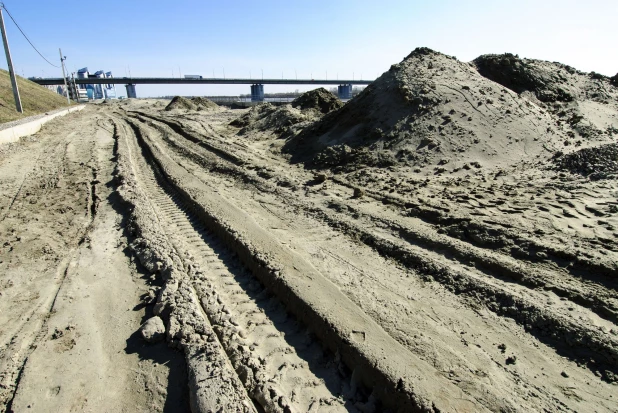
point(35, 99)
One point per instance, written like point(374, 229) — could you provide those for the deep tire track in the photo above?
point(282, 367)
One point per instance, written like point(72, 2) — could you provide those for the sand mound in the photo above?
point(203, 103)
point(319, 99)
point(600, 162)
point(584, 103)
point(548, 81)
point(265, 117)
point(520, 75)
point(432, 111)
point(196, 103)
point(178, 102)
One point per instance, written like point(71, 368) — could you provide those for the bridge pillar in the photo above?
point(344, 91)
point(131, 91)
point(257, 93)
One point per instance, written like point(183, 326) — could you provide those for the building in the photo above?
point(105, 91)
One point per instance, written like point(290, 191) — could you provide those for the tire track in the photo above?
point(282, 367)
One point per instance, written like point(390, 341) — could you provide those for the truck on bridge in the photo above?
point(193, 77)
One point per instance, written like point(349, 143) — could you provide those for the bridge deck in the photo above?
point(208, 81)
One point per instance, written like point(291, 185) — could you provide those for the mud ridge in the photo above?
point(500, 268)
point(577, 263)
point(213, 383)
point(595, 349)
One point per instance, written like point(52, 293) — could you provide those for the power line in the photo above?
point(22, 32)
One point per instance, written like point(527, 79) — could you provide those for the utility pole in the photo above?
point(64, 76)
point(10, 63)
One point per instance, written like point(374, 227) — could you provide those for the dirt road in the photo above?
point(281, 290)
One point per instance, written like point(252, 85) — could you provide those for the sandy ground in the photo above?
point(285, 287)
point(71, 294)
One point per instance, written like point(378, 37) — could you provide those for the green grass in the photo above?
point(35, 99)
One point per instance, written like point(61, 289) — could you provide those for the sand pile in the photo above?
point(583, 102)
point(549, 84)
point(548, 81)
point(434, 113)
point(284, 121)
point(196, 103)
point(178, 102)
point(600, 162)
point(203, 103)
point(318, 99)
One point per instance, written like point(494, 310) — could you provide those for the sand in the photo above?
point(445, 241)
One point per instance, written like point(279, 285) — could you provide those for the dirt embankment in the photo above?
point(35, 99)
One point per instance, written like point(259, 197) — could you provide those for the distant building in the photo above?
point(105, 91)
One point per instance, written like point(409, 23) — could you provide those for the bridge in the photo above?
point(257, 85)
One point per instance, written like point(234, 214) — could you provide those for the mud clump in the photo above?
point(319, 99)
point(153, 330)
point(597, 163)
point(345, 158)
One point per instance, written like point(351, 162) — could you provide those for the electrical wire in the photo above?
point(22, 32)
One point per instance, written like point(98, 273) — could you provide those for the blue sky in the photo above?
point(299, 38)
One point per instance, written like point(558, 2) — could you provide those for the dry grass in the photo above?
point(35, 99)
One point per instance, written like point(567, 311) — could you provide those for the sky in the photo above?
point(307, 39)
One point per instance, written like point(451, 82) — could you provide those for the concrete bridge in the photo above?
point(257, 85)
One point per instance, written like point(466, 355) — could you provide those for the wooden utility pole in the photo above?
point(10, 63)
point(64, 76)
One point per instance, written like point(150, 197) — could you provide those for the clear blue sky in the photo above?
point(309, 38)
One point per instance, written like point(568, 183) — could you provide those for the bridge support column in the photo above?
point(131, 91)
point(344, 91)
point(257, 93)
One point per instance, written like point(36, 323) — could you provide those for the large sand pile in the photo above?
point(432, 112)
point(178, 102)
point(203, 103)
point(267, 117)
point(583, 102)
point(287, 121)
point(318, 99)
point(196, 103)
point(549, 81)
